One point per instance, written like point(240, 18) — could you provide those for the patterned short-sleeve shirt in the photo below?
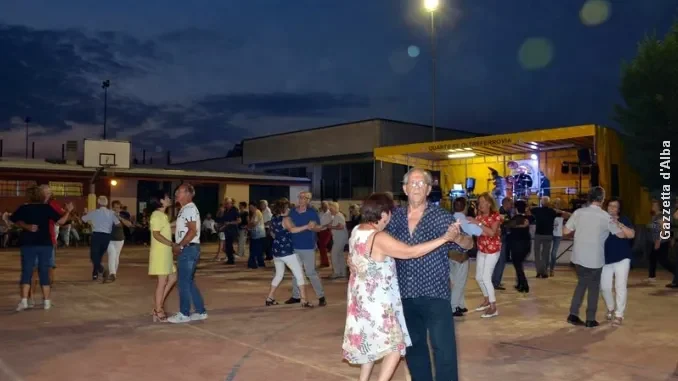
point(282, 243)
point(428, 276)
point(490, 245)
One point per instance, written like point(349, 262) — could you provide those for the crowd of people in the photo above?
point(407, 266)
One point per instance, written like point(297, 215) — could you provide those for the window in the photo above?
point(9, 188)
point(352, 181)
point(293, 172)
point(66, 188)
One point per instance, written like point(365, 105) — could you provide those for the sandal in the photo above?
point(159, 316)
point(305, 304)
point(271, 302)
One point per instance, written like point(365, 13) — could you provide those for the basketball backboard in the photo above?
point(107, 153)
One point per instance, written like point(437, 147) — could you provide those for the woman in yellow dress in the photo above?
point(161, 260)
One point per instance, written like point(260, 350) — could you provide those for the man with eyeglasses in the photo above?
point(304, 244)
point(424, 282)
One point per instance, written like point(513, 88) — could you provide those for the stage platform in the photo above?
point(104, 331)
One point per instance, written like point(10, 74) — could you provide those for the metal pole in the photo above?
point(433, 75)
point(26, 139)
point(105, 108)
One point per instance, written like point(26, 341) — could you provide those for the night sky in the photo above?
point(194, 77)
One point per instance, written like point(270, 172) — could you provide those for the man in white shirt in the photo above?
point(268, 242)
point(591, 226)
point(187, 250)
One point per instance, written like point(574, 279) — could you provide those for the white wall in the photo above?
point(126, 192)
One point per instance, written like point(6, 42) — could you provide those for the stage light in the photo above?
point(461, 155)
point(533, 156)
point(114, 182)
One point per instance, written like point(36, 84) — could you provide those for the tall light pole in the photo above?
point(105, 85)
point(27, 120)
point(431, 6)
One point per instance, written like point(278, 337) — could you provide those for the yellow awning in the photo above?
point(504, 144)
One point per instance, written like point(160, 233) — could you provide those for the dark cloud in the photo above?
point(54, 76)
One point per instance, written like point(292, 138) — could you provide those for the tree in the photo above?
point(649, 115)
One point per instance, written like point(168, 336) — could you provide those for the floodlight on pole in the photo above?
point(105, 85)
point(431, 5)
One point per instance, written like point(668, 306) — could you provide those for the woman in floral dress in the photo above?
point(375, 325)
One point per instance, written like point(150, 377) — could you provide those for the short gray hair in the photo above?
point(427, 175)
point(265, 202)
point(102, 201)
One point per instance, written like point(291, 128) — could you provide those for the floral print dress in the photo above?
point(375, 324)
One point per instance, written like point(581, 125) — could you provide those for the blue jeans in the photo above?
point(187, 262)
point(498, 273)
point(554, 252)
point(433, 316)
point(256, 258)
point(31, 254)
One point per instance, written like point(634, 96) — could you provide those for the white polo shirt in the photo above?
point(188, 213)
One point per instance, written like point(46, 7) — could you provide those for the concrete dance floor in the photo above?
point(100, 331)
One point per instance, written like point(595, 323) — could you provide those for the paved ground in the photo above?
point(104, 332)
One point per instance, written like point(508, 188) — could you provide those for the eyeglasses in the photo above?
point(418, 184)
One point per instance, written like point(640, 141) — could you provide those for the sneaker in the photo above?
point(650, 280)
point(47, 304)
point(322, 302)
point(292, 300)
point(196, 316)
point(31, 303)
point(23, 304)
point(178, 318)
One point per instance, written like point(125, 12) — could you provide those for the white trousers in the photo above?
point(458, 278)
point(242, 240)
point(114, 249)
point(291, 261)
point(338, 258)
point(620, 272)
point(485, 264)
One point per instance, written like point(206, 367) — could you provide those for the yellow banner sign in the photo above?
point(470, 144)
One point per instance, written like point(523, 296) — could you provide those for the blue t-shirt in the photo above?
point(306, 239)
point(282, 243)
point(618, 249)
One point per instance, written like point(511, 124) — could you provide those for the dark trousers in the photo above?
point(588, 280)
point(256, 258)
point(30, 255)
point(97, 249)
point(542, 253)
point(504, 255)
point(660, 256)
point(231, 237)
point(520, 249)
point(324, 238)
point(268, 245)
point(433, 316)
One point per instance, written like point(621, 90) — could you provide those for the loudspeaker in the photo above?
point(470, 184)
point(614, 180)
point(595, 176)
point(564, 168)
point(584, 156)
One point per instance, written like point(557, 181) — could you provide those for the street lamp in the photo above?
point(105, 85)
point(27, 120)
point(431, 6)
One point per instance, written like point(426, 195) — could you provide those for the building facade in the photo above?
point(133, 187)
point(338, 159)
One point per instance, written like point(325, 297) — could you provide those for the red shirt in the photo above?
point(55, 205)
point(490, 245)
